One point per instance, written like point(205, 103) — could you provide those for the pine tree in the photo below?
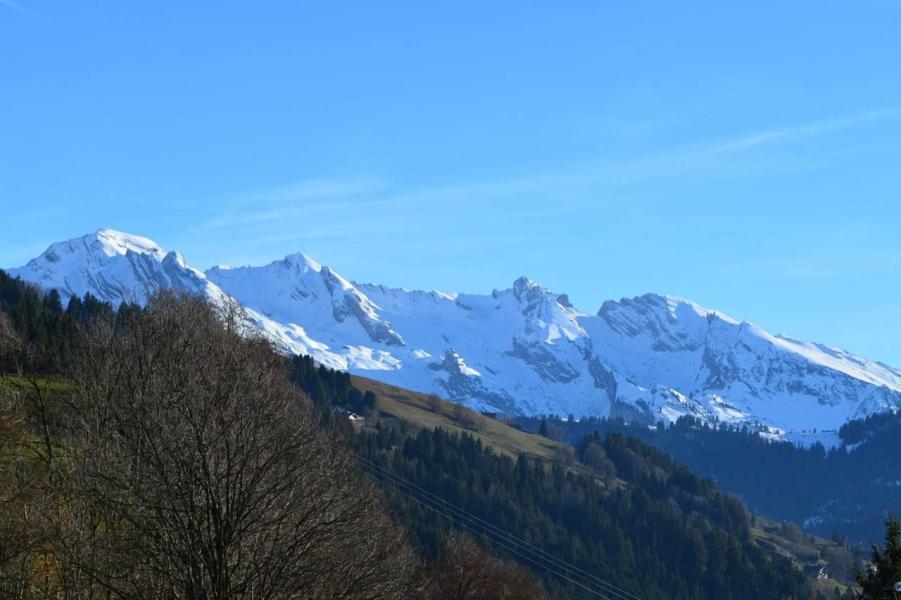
point(878, 582)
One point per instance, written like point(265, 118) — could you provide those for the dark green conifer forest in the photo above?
point(659, 532)
point(844, 491)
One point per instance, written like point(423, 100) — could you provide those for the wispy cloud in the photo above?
point(731, 157)
point(717, 159)
point(312, 209)
point(281, 203)
point(774, 136)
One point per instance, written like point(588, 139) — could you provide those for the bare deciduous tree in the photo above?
point(9, 341)
point(195, 471)
point(13, 533)
point(466, 572)
point(24, 501)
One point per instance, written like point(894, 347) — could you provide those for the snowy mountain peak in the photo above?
point(175, 258)
point(523, 285)
point(535, 298)
point(95, 246)
point(299, 290)
point(303, 262)
point(114, 242)
point(525, 349)
point(115, 267)
point(669, 321)
point(673, 308)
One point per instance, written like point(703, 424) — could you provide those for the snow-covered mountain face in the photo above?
point(523, 350)
point(701, 362)
point(115, 267)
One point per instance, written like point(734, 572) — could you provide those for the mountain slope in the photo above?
point(327, 312)
point(115, 267)
point(704, 363)
point(523, 350)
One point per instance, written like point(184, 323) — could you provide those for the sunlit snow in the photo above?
point(523, 350)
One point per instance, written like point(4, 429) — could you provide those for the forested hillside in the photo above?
point(620, 509)
point(161, 452)
point(844, 491)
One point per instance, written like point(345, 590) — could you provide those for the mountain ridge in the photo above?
point(521, 350)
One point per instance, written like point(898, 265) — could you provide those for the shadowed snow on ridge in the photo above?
point(522, 350)
point(298, 290)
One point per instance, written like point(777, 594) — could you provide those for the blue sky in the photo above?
point(744, 155)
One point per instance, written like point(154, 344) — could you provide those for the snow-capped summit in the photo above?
point(117, 242)
point(548, 315)
point(113, 266)
point(299, 290)
point(525, 349)
point(302, 262)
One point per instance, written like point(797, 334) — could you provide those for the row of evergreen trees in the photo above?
point(845, 490)
point(47, 329)
point(660, 533)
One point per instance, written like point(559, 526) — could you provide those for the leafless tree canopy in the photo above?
point(24, 469)
point(176, 461)
point(194, 471)
point(13, 535)
point(466, 572)
point(9, 342)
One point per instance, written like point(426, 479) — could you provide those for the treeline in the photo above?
point(328, 388)
point(844, 491)
point(873, 429)
point(654, 529)
point(169, 456)
point(46, 332)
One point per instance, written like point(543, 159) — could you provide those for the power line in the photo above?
point(495, 541)
point(609, 587)
point(499, 544)
point(497, 535)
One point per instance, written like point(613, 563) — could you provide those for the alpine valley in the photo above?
point(524, 350)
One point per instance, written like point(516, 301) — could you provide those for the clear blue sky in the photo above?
point(745, 155)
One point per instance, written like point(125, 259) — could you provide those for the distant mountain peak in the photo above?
point(114, 242)
point(302, 261)
point(101, 243)
point(661, 308)
point(523, 283)
point(114, 266)
point(525, 349)
point(299, 289)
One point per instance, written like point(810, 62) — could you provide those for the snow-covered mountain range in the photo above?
point(522, 350)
